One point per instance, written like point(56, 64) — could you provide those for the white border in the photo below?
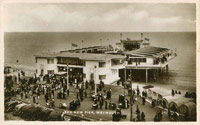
point(98, 1)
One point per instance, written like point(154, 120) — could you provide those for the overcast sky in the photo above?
point(99, 17)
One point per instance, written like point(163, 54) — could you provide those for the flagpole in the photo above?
point(101, 42)
point(17, 71)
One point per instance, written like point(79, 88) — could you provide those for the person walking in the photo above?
point(100, 103)
point(173, 93)
point(106, 104)
point(137, 110)
point(142, 116)
point(138, 117)
point(143, 100)
point(46, 97)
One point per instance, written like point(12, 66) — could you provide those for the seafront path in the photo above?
point(86, 110)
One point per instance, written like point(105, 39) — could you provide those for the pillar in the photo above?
point(124, 74)
point(167, 67)
point(146, 75)
point(154, 74)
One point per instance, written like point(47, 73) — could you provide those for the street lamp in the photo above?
point(95, 79)
point(131, 102)
point(131, 98)
point(17, 71)
point(67, 76)
point(124, 77)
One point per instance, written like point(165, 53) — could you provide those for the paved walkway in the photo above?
point(104, 114)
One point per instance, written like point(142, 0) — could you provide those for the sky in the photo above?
point(100, 17)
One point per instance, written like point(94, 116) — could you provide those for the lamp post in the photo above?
point(67, 76)
point(124, 77)
point(95, 79)
point(17, 71)
point(131, 100)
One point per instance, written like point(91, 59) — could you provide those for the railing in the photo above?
point(76, 64)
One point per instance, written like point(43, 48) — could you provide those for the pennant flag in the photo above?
point(74, 45)
point(146, 39)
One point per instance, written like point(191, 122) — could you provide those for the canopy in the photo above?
point(162, 92)
point(148, 86)
point(189, 107)
point(61, 73)
point(176, 100)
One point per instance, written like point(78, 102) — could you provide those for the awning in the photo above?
point(148, 87)
point(61, 73)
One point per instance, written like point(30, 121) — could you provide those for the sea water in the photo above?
point(182, 70)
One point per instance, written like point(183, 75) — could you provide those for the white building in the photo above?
point(106, 67)
point(90, 66)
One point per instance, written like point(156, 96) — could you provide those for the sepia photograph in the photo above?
point(119, 62)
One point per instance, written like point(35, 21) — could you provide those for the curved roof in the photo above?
point(149, 51)
point(177, 99)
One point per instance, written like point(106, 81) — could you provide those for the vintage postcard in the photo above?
point(99, 61)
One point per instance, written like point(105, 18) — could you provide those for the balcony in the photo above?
point(143, 65)
point(75, 65)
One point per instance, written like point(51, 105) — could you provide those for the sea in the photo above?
point(22, 46)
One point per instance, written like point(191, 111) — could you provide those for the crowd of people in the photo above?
point(54, 87)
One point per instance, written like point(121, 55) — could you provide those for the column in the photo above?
point(146, 75)
point(167, 67)
point(67, 77)
point(124, 74)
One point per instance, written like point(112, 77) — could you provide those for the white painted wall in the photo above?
point(42, 64)
point(89, 68)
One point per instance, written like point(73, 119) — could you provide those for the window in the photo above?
point(144, 60)
point(102, 77)
point(50, 61)
point(114, 71)
point(50, 71)
point(139, 60)
point(102, 64)
point(36, 71)
point(84, 75)
point(35, 60)
point(84, 63)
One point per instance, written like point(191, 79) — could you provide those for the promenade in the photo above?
point(86, 110)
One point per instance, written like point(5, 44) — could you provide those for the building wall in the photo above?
point(42, 64)
point(89, 69)
point(110, 75)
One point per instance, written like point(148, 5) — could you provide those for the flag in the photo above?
point(146, 39)
point(74, 45)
